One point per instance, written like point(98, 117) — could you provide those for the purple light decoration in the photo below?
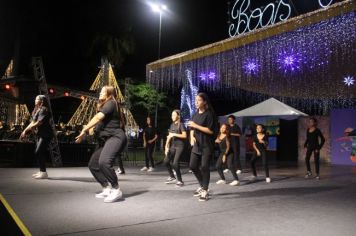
point(251, 67)
point(289, 61)
point(210, 76)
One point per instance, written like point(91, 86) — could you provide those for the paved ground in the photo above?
point(290, 205)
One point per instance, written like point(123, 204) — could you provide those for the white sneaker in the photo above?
point(268, 180)
point(114, 195)
point(253, 178)
point(235, 183)
point(170, 180)
point(198, 192)
point(226, 171)
point(41, 175)
point(106, 191)
point(179, 184)
point(308, 175)
point(221, 182)
point(144, 169)
point(238, 172)
point(151, 169)
point(204, 196)
point(34, 175)
point(120, 172)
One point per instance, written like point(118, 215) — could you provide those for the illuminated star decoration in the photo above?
point(289, 61)
point(210, 76)
point(349, 80)
point(251, 67)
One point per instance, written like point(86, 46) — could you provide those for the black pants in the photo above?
point(102, 160)
point(264, 161)
point(149, 155)
point(41, 151)
point(174, 154)
point(316, 160)
point(199, 164)
point(236, 152)
point(230, 165)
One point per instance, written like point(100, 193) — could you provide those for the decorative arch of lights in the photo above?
point(307, 62)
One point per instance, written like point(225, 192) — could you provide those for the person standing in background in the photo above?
point(150, 137)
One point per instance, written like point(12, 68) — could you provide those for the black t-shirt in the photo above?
point(44, 130)
point(177, 129)
point(235, 140)
point(223, 147)
point(150, 133)
point(261, 146)
point(204, 142)
point(110, 125)
point(312, 141)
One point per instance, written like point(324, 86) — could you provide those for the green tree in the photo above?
point(144, 95)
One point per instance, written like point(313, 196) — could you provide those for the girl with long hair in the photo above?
point(109, 126)
point(202, 126)
point(226, 156)
point(44, 133)
point(174, 148)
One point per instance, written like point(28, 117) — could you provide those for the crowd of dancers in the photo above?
point(199, 139)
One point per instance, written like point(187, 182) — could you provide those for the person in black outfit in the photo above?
point(260, 143)
point(109, 126)
point(202, 139)
point(41, 122)
point(235, 133)
point(226, 156)
point(174, 148)
point(313, 145)
point(150, 136)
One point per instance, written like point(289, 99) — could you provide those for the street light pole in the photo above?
point(159, 34)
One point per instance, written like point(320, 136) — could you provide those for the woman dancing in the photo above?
point(202, 140)
point(174, 148)
point(260, 143)
point(226, 156)
point(40, 122)
point(109, 124)
point(313, 145)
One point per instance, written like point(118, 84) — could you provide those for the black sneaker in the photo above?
point(204, 196)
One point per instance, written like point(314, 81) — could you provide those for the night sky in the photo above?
point(61, 32)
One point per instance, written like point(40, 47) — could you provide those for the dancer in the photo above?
point(174, 148)
point(260, 143)
point(235, 133)
point(313, 145)
point(202, 139)
point(109, 125)
point(40, 122)
point(226, 156)
point(150, 136)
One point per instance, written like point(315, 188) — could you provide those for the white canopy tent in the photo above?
point(270, 107)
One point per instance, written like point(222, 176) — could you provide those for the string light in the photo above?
point(315, 57)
